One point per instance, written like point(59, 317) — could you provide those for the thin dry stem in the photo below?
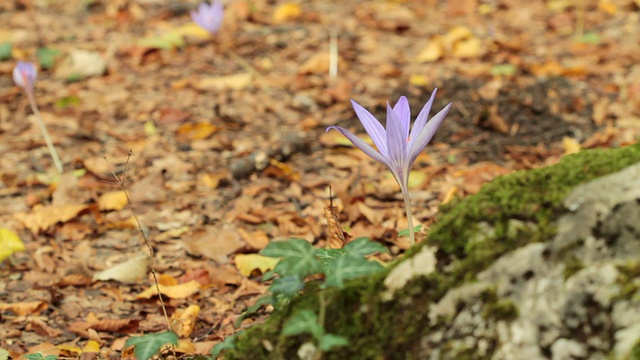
point(43, 129)
point(121, 182)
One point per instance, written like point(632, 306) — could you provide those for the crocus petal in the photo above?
point(396, 141)
point(363, 146)
point(422, 118)
point(403, 111)
point(24, 75)
point(373, 127)
point(422, 139)
point(209, 17)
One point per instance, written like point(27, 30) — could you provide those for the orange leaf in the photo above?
point(113, 200)
point(42, 217)
point(196, 131)
point(24, 308)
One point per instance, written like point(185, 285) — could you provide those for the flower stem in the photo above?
point(45, 133)
point(407, 208)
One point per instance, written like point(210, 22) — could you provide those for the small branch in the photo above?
point(121, 182)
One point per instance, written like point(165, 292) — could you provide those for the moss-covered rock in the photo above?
point(485, 256)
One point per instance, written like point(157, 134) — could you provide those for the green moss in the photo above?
point(635, 351)
point(572, 266)
point(629, 281)
point(496, 308)
point(511, 211)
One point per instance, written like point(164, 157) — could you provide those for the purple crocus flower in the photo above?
point(398, 147)
point(24, 75)
point(208, 16)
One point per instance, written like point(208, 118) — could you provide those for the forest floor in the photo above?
point(222, 146)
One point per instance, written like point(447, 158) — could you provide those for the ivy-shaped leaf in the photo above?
point(303, 322)
point(38, 356)
point(330, 341)
point(297, 257)
point(145, 346)
point(328, 256)
point(362, 247)
point(228, 343)
point(347, 268)
point(289, 286)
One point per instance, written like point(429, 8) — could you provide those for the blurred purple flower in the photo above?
point(208, 16)
point(397, 147)
point(24, 75)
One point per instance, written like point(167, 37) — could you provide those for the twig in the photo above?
point(121, 182)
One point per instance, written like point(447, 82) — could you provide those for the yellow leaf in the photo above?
point(418, 80)
point(250, 262)
point(184, 321)
point(193, 30)
point(416, 178)
point(92, 346)
point(570, 145)
point(467, 48)
point(180, 291)
point(113, 200)
point(286, 12)
point(432, 52)
point(9, 243)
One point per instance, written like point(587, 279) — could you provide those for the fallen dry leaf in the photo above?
point(25, 308)
point(73, 350)
point(183, 321)
point(223, 83)
point(179, 291)
point(125, 326)
point(248, 263)
point(214, 243)
point(286, 12)
point(113, 200)
point(130, 271)
point(9, 243)
point(41, 217)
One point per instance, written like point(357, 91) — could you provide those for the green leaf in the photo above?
point(297, 257)
point(47, 57)
point(290, 285)
point(503, 69)
point(228, 343)
point(67, 101)
point(253, 309)
point(347, 268)
point(146, 346)
point(405, 232)
point(362, 247)
point(303, 322)
point(37, 356)
point(330, 341)
point(51, 357)
point(5, 51)
point(328, 256)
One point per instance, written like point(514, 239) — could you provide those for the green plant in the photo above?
point(38, 356)
point(300, 264)
point(146, 346)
